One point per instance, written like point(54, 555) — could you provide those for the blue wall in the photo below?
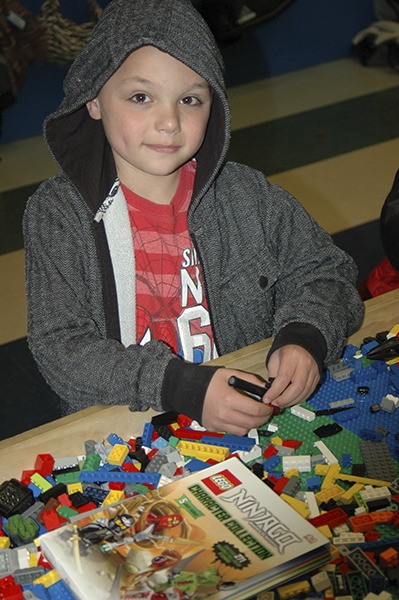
point(307, 33)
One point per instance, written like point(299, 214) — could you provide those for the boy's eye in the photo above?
point(140, 98)
point(191, 100)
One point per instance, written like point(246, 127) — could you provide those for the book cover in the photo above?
point(220, 533)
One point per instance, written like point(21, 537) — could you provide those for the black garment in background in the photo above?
point(228, 19)
point(389, 224)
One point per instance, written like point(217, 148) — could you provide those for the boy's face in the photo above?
point(155, 111)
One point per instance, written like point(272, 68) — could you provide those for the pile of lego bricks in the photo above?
point(349, 488)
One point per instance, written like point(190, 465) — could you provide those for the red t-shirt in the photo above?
point(171, 305)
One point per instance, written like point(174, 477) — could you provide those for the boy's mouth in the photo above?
point(163, 148)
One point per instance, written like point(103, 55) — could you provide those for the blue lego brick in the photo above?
point(346, 460)
point(113, 439)
point(233, 442)
point(313, 483)
point(38, 590)
point(97, 495)
point(271, 463)
point(60, 591)
point(159, 443)
point(195, 464)
point(349, 352)
point(147, 434)
point(119, 476)
point(347, 415)
point(36, 491)
point(369, 346)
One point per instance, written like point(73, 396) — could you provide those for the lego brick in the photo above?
point(14, 498)
point(378, 460)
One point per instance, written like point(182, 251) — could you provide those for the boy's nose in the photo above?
point(168, 121)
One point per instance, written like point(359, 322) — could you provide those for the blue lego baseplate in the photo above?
point(360, 419)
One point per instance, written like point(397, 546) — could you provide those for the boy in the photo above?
point(148, 254)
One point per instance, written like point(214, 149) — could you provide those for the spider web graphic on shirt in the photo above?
point(158, 277)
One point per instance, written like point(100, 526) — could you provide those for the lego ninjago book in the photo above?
point(219, 533)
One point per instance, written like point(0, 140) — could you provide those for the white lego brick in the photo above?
point(320, 581)
point(373, 493)
point(302, 413)
point(253, 433)
point(348, 538)
point(328, 455)
point(273, 427)
point(310, 499)
point(300, 462)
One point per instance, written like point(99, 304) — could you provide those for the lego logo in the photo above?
point(221, 482)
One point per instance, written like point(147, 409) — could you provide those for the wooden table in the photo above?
point(66, 436)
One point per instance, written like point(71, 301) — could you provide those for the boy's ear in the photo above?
point(93, 108)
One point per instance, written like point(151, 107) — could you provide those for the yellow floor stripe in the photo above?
point(25, 162)
point(347, 190)
point(299, 91)
point(12, 298)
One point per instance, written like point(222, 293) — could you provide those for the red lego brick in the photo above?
point(26, 475)
point(64, 499)
point(51, 519)
point(270, 451)
point(129, 467)
point(116, 485)
point(44, 464)
point(332, 518)
point(292, 444)
point(280, 484)
point(183, 421)
point(87, 507)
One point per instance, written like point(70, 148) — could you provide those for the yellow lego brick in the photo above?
point(40, 482)
point(74, 487)
point(395, 330)
point(34, 559)
point(334, 552)
point(113, 496)
point(276, 440)
point(300, 507)
point(333, 493)
point(321, 469)
point(331, 476)
point(347, 497)
point(118, 454)
point(48, 579)
point(291, 590)
point(393, 361)
point(363, 480)
point(265, 596)
point(4, 542)
point(326, 531)
point(203, 451)
point(291, 473)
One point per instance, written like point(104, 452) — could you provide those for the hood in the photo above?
point(78, 143)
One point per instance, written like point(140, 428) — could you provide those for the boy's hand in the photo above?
point(295, 374)
point(226, 409)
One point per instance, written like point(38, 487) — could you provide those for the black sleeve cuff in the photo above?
point(304, 335)
point(184, 387)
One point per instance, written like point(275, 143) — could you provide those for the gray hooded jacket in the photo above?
point(269, 269)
